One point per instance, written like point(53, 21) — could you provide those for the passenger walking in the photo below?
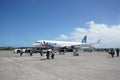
point(52, 55)
point(30, 52)
point(40, 51)
point(21, 52)
point(48, 54)
point(117, 51)
point(112, 52)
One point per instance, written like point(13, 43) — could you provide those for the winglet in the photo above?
point(99, 41)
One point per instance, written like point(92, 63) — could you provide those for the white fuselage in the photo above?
point(56, 43)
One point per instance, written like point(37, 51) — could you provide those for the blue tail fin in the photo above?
point(84, 40)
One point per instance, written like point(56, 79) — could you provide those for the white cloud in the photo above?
point(78, 34)
point(109, 35)
point(63, 37)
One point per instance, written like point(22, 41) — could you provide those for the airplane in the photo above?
point(61, 44)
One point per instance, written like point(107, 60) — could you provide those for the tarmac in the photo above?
point(86, 66)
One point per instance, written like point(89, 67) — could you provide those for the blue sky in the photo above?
point(22, 22)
